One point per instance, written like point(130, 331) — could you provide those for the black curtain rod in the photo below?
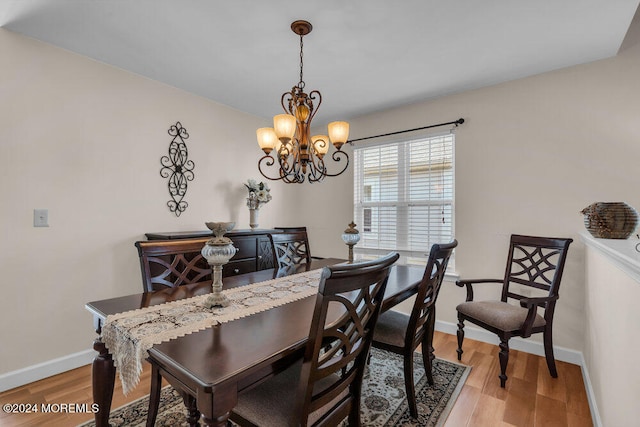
point(457, 122)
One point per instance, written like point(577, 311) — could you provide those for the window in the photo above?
point(404, 196)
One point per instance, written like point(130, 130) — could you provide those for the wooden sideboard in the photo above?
point(254, 248)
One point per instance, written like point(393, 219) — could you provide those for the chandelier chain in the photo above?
point(301, 83)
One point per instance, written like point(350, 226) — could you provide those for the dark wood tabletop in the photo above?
point(229, 357)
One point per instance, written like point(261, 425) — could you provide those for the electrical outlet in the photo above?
point(41, 217)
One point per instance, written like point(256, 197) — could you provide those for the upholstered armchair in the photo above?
point(531, 280)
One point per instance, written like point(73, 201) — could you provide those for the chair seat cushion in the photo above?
point(498, 314)
point(273, 402)
point(391, 328)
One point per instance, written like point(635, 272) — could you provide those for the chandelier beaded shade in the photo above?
point(300, 156)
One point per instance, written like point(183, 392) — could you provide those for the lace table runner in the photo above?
point(129, 335)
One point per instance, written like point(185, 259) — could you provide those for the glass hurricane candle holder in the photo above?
point(351, 236)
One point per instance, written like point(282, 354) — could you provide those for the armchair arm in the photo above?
point(532, 304)
point(527, 302)
point(469, 283)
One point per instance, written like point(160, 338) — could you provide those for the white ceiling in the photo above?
point(363, 55)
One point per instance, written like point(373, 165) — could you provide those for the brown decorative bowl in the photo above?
point(610, 220)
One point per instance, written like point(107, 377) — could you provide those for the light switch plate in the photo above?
point(41, 217)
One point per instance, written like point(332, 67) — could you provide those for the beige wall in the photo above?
point(531, 154)
point(610, 346)
point(84, 140)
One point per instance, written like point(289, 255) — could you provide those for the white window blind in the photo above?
point(404, 196)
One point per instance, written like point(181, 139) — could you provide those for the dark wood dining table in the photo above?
point(217, 363)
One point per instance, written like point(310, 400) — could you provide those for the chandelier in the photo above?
point(299, 155)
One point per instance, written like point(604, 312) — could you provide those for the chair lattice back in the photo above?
point(290, 249)
point(337, 351)
point(424, 305)
point(534, 262)
point(171, 263)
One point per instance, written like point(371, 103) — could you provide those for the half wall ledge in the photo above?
point(621, 252)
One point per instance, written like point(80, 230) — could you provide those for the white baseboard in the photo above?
point(532, 347)
point(45, 369)
point(595, 414)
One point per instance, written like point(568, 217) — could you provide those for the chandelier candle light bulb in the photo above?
point(300, 157)
point(338, 133)
point(284, 126)
point(267, 139)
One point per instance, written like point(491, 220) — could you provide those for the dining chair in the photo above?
point(402, 334)
point(532, 278)
point(290, 249)
point(324, 387)
point(171, 263)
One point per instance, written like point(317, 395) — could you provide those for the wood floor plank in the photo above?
point(489, 411)
point(548, 386)
point(531, 371)
point(577, 402)
point(464, 407)
point(445, 346)
point(481, 363)
point(561, 401)
point(520, 404)
point(517, 364)
point(523, 365)
point(492, 382)
point(550, 412)
point(574, 420)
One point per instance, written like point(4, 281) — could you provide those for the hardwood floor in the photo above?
point(531, 397)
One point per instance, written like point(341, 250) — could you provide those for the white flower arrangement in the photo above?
point(258, 190)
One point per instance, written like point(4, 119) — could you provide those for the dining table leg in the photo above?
point(218, 422)
point(103, 380)
point(216, 407)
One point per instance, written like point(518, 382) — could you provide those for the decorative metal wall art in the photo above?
point(177, 168)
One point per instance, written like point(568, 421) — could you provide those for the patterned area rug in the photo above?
point(383, 402)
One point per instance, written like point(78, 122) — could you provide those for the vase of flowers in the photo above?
point(259, 194)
